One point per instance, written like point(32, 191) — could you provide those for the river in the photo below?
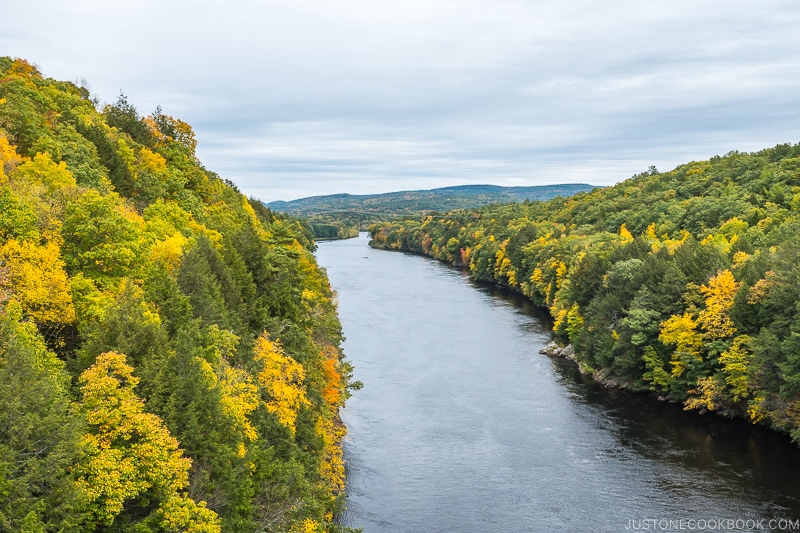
point(462, 426)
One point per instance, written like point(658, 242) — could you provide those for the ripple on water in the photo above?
point(463, 426)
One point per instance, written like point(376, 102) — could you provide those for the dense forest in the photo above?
point(340, 225)
point(169, 349)
point(685, 284)
point(339, 216)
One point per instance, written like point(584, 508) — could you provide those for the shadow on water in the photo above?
point(708, 444)
point(520, 302)
point(517, 300)
point(464, 426)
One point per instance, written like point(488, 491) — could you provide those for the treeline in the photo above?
point(335, 226)
point(341, 216)
point(419, 202)
point(169, 349)
point(683, 283)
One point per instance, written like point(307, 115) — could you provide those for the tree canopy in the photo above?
point(169, 350)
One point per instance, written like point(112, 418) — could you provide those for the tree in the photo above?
point(40, 283)
point(130, 326)
point(681, 331)
point(17, 219)
point(40, 434)
point(9, 158)
point(134, 467)
point(281, 380)
point(123, 115)
point(102, 238)
point(736, 366)
point(175, 130)
point(720, 294)
point(47, 187)
point(198, 278)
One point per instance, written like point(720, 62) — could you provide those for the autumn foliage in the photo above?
point(160, 334)
point(682, 283)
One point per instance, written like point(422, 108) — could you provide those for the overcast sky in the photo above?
point(297, 98)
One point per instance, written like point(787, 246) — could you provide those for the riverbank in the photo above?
point(463, 426)
point(552, 349)
point(700, 398)
point(325, 239)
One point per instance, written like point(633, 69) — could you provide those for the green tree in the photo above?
point(134, 467)
point(40, 434)
point(102, 238)
point(130, 326)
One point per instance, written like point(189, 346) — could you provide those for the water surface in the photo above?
point(462, 426)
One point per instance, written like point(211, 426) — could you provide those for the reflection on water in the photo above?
point(463, 426)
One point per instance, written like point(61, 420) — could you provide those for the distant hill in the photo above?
point(414, 202)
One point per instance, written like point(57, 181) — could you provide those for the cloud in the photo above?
point(296, 98)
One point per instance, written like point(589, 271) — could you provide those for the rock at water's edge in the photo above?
point(554, 350)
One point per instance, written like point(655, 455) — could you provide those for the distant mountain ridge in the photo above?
point(441, 199)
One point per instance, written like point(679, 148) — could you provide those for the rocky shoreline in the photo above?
point(600, 376)
point(554, 350)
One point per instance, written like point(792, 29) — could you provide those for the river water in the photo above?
point(462, 426)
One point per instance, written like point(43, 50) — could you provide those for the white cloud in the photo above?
point(296, 98)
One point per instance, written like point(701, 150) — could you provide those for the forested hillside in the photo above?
point(408, 202)
point(169, 350)
point(684, 283)
point(342, 215)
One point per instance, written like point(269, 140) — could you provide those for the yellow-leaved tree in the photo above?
point(720, 293)
point(47, 187)
point(735, 363)
point(681, 331)
point(8, 158)
point(133, 467)
point(40, 283)
point(239, 398)
point(281, 380)
point(625, 234)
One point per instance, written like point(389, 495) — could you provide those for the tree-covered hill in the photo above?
point(169, 349)
point(683, 283)
point(414, 202)
point(342, 215)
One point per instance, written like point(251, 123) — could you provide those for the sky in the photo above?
point(296, 98)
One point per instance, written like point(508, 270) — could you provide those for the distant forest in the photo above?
point(684, 284)
point(169, 350)
point(343, 215)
